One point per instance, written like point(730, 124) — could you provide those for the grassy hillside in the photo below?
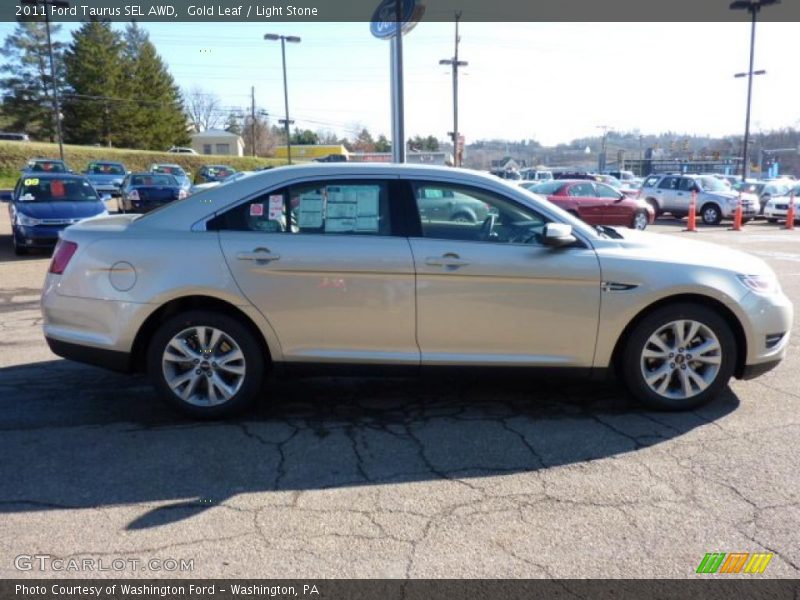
point(13, 155)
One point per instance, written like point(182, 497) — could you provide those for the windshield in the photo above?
point(551, 187)
point(106, 169)
point(219, 172)
point(712, 184)
point(56, 190)
point(153, 179)
point(176, 171)
point(777, 190)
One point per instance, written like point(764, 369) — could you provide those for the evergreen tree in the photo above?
point(92, 104)
point(27, 84)
point(156, 119)
point(233, 123)
point(382, 144)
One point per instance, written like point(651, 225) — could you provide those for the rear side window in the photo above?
point(687, 184)
point(335, 208)
point(585, 190)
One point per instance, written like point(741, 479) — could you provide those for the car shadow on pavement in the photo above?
point(7, 250)
point(80, 437)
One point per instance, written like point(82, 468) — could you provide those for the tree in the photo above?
point(382, 144)
point(266, 135)
point(94, 74)
point(157, 119)
point(27, 84)
point(306, 137)
point(203, 109)
point(364, 142)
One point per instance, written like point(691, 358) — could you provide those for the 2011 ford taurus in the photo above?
point(339, 266)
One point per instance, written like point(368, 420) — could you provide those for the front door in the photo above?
point(321, 263)
point(490, 293)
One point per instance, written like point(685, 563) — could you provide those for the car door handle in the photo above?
point(448, 260)
point(259, 254)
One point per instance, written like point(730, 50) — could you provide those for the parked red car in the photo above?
point(595, 202)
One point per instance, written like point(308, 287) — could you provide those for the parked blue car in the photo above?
point(42, 204)
point(142, 192)
point(106, 177)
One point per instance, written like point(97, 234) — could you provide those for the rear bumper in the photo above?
point(98, 357)
point(753, 371)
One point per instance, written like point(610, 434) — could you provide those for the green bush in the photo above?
point(14, 155)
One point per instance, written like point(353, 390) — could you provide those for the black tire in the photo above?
point(772, 220)
point(254, 361)
point(18, 249)
point(631, 366)
point(711, 214)
point(463, 217)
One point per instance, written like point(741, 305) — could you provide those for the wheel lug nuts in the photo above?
point(198, 371)
point(683, 367)
point(689, 356)
point(213, 364)
point(196, 361)
point(680, 349)
point(672, 355)
point(671, 365)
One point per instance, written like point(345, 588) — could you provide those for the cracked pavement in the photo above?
point(340, 477)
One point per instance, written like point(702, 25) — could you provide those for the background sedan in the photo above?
point(595, 202)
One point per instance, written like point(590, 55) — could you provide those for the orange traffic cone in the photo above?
point(790, 212)
point(737, 215)
point(691, 224)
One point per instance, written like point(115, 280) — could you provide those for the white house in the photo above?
point(218, 141)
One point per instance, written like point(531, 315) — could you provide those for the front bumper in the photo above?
point(766, 317)
point(780, 210)
point(38, 236)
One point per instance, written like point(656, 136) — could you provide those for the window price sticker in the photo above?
point(256, 210)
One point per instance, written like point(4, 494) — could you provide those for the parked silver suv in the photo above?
point(715, 199)
point(341, 265)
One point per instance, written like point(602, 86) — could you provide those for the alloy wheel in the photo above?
point(203, 366)
point(681, 359)
point(640, 221)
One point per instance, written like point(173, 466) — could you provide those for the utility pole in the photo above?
point(601, 160)
point(293, 39)
point(454, 63)
point(253, 119)
point(56, 104)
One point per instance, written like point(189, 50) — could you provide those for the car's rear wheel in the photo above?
point(463, 218)
point(679, 357)
point(640, 220)
point(207, 364)
point(711, 214)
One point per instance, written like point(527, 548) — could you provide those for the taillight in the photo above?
point(133, 195)
point(61, 256)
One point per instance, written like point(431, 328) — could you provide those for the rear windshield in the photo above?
point(106, 169)
point(177, 171)
point(33, 189)
point(219, 172)
point(153, 179)
point(47, 166)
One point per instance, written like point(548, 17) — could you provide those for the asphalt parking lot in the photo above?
point(392, 478)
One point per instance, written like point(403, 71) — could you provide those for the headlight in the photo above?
point(761, 284)
point(27, 221)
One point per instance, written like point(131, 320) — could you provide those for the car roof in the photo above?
point(104, 162)
point(50, 175)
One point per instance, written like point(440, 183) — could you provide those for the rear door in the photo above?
point(585, 202)
point(611, 207)
point(666, 193)
point(321, 262)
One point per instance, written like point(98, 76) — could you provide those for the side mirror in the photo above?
point(558, 235)
point(105, 197)
point(6, 196)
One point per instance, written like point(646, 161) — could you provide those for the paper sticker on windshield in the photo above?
point(29, 182)
point(275, 207)
point(256, 210)
point(27, 198)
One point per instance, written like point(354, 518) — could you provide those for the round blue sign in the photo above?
point(384, 25)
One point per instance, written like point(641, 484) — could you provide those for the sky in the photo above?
point(552, 82)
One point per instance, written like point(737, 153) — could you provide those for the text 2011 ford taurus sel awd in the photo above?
point(343, 264)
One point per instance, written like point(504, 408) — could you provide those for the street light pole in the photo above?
point(286, 121)
point(56, 103)
point(752, 6)
point(455, 63)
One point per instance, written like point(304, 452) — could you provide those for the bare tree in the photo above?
point(203, 108)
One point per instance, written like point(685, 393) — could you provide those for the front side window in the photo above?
point(452, 212)
point(650, 181)
point(336, 208)
point(687, 184)
point(606, 191)
point(583, 190)
point(669, 183)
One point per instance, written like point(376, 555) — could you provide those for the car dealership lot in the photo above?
point(454, 477)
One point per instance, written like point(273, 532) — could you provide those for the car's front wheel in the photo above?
point(207, 364)
point(679, 357)
point(711, 214)
point(19, 249)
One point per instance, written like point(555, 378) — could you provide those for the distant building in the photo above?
point(413, 158)
point(311, 151)
point(218, 141)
